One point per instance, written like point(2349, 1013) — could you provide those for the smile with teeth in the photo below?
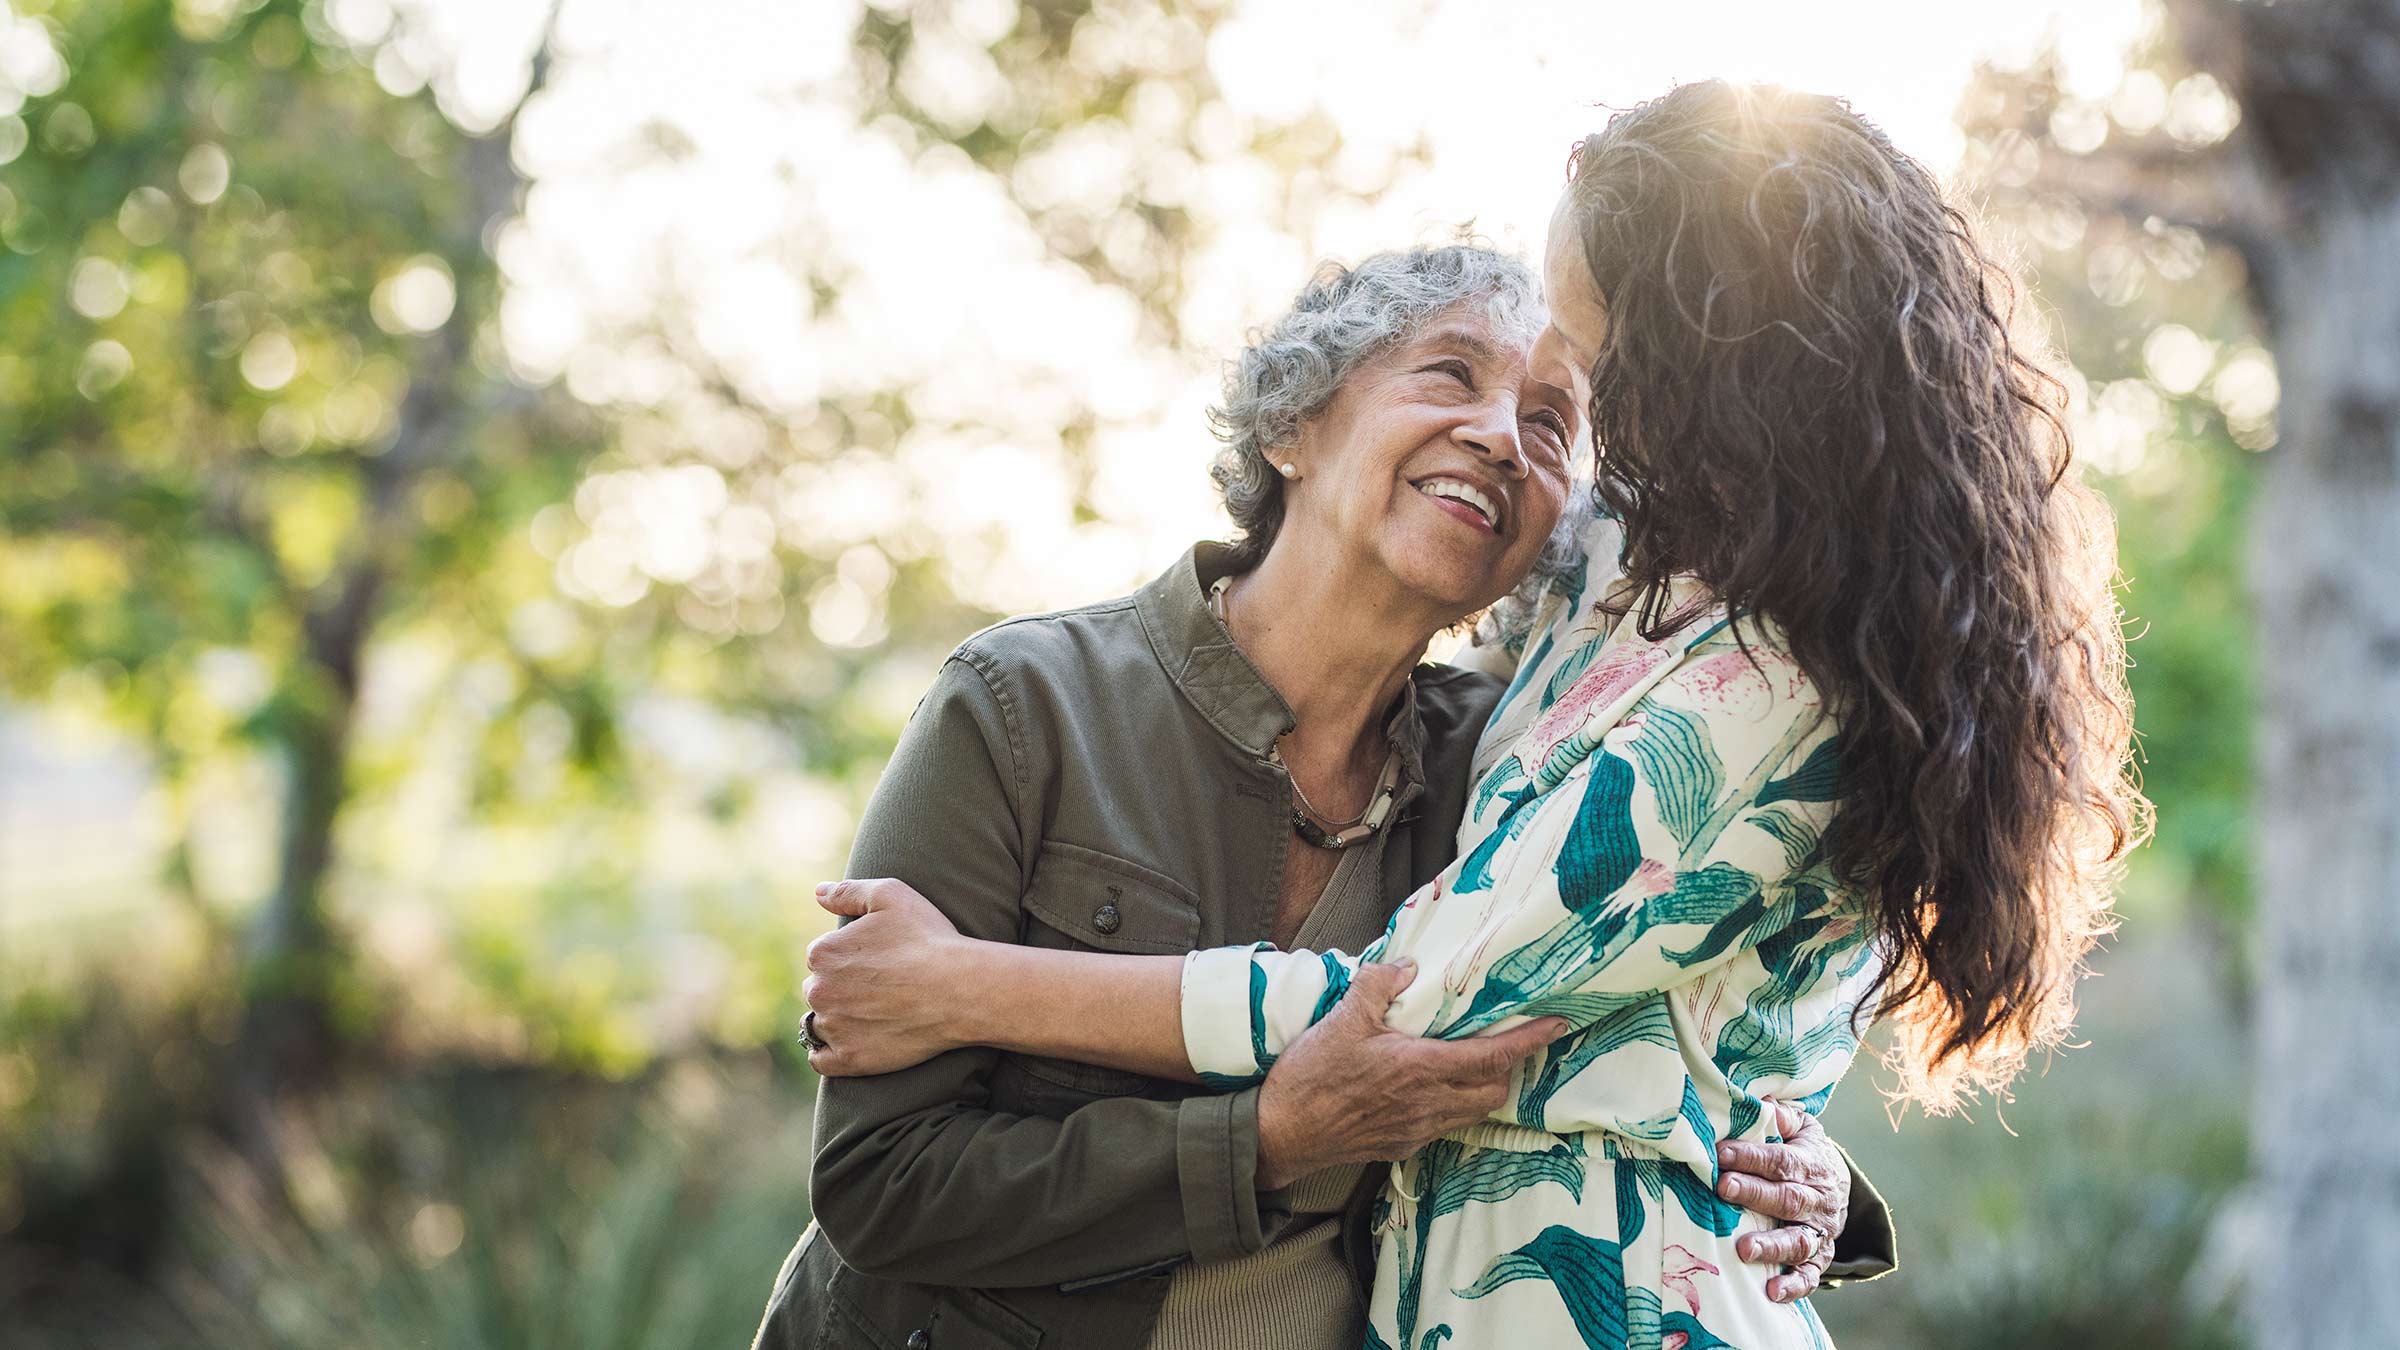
point(1466, 494)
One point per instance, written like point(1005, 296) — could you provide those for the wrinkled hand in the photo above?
point(881, 985)
point(1352, 1090)
point(1804, 1180)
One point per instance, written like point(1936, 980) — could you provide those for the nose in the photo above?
point(1490, 432)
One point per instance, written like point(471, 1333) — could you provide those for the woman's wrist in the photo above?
point(971, 979)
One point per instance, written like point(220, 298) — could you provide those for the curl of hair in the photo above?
point(1290, 370)
point(1811, 395)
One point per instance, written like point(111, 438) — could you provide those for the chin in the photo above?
point(1455, 584)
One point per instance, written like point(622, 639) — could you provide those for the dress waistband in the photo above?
point(1514, 1138)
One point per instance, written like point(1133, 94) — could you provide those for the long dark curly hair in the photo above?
point(1811, 395)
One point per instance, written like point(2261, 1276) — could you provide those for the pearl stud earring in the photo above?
point(1291, 470)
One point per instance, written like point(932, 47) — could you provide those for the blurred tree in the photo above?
point(262, 429)
point(2273, 132)
point(246, 419)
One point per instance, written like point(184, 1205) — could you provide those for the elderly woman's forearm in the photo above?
point(1119, 1012)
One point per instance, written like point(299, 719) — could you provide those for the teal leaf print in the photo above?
point(1504, 775)
point(1631, 1212)
point(1722, 896)
point(1490, 1175)
point(1696, 1116)
point(1568, 1056)
point(1798, 837)
point(1588, 1272)
point(1641, 1317)
point(1696, 1336)
point(1659, 1179)
point(1526, 666)
point(1258, 1018)
point(1337, 983)
point(1601, 851)
point(1475, 874)
point(1583, 1009)
point(1818, 779)
point(1571, 668)
point(1680, 762)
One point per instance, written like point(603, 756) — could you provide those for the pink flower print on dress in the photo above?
point(1728, 682)
point(1652, 878)
point(1595, 694)
point(1681, 1266)
point(1649, 881)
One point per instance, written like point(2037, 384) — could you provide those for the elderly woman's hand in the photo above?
point(881, 988)
point(1804, 1181)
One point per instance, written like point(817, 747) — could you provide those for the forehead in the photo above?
point(1469, 331)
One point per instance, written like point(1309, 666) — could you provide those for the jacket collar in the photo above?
point(1218, 680)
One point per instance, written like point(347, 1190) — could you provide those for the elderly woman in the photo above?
point(1836, 728)
point(1246, 750)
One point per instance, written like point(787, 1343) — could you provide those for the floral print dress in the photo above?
point(1643, 860)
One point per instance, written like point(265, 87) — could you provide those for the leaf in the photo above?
point(1726, 898)
point(1475, 874)
point(1818, 779)
point(1794, 831)
point(1601, 850)
point(1571, 668)
point(1679, 761)
point(1505, 774)
point(1645, 1020)
point(1487, 1176)
point(1589, 1274)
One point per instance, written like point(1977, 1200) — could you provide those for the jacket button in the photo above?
point(918, 1340)
point(1108, 920)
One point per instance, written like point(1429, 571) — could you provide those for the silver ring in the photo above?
point(808, 1032)
point(1820, 1246)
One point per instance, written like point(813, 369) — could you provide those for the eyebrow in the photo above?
point(1477, 346)
point(1474, 344)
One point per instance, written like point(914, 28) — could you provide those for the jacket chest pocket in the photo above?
point(1085, 900)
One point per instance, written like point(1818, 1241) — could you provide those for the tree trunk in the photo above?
point(2326, 565)
point(294, 955)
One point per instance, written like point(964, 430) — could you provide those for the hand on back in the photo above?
point(1353, 1090)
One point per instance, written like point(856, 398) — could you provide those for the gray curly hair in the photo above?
point(1344, 316)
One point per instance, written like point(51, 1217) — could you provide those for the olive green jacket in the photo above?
point(1096, 779)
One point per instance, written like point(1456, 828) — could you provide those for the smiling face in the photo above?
point(1441, 463)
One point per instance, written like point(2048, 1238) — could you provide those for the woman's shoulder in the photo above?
point(1069, 646)
point(1740, 668)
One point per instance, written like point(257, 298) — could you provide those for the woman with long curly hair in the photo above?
point(1832, 727)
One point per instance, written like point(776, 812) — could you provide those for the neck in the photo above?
point(1336, 646)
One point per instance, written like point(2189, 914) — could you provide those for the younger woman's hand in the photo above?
point(882, 988)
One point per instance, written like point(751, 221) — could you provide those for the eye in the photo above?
point(1553, 423)
point(1457, 370)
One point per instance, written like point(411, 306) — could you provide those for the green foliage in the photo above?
point(251, 462)
point(468, 1207)
point(2175, 397)
point(2102, 1245)
point(516, 1212)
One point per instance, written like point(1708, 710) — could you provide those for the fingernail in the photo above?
point(1725, 1153)
point(1405, 964)
point(824, 886)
